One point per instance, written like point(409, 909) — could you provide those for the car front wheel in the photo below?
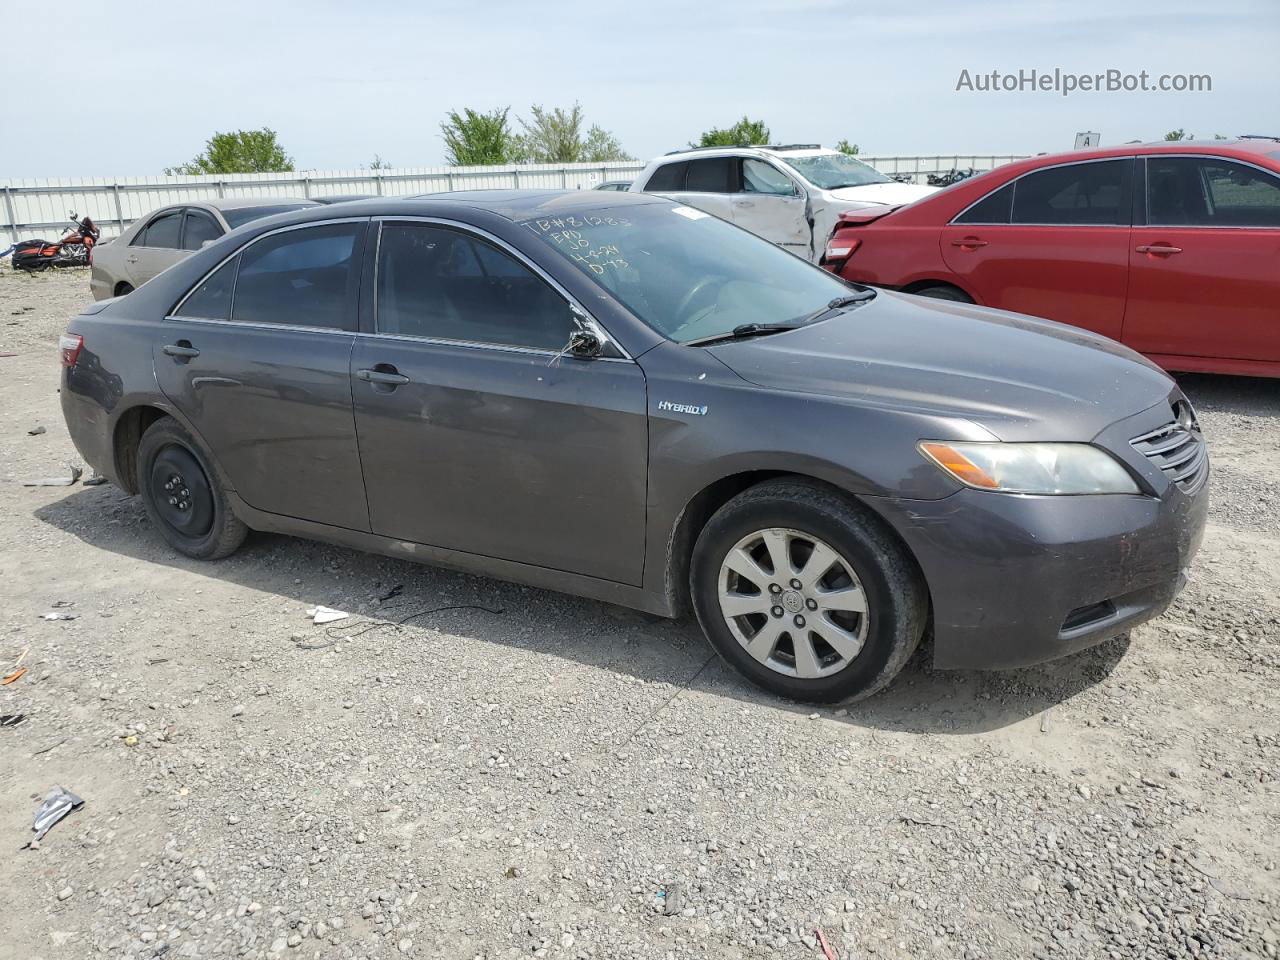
point(805, 594)
point(182, 495)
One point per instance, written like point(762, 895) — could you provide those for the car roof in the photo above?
point(239, 203)
point(1240, 147)
point(527, 204)
point(780, 152)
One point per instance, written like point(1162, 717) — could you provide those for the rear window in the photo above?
point(241, 215)
point(712, 175)
point(668, 177)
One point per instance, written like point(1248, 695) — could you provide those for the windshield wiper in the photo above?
point(839, 303)
point(743, 331)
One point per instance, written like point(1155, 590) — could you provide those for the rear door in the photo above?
point(475, 434)
point(1205, 265)
point(257, 359)
point(156, 247)
point(1054, 243)
point(771, 205)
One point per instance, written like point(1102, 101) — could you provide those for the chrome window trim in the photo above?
point(481, 345)
point(1054, 166)
point(582, 317)
point(173, 314)
point(254, 325)
point(1146, 198)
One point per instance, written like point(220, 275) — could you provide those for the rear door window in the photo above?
point(444, 284)
point(711, 175)
point(307, 277)
point(1073, 194)
point(163, 231)
point(1210, 192)
point(199, 229)
point(667, 178)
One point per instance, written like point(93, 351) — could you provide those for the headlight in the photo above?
point(1045, 468)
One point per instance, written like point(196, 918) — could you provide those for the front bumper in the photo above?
point(1017, 580)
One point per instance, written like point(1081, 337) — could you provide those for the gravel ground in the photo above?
point(533, 774)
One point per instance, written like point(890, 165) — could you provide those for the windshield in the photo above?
point(831, 171)
point(238, 216)
point(685, 273)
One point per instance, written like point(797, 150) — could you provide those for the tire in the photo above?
point(183, 496)
point(942, 291)
point(804, 516)
point(122, 289)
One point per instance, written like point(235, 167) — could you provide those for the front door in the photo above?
point(475, 434)
point(1204, 271)
point(1053, 243)
point(264, 379)
point(769, 204)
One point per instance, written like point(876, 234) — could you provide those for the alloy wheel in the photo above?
point(793, 602)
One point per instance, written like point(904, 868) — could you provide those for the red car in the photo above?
point(1170, 248)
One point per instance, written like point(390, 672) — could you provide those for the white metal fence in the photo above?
point(41, 206)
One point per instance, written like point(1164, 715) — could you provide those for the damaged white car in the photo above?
point(791, 195)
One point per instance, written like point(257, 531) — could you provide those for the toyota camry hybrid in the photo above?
point(625, 398)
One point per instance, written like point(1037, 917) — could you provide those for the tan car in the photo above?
point(165, 236)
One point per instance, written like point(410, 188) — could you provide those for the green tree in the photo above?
point(1179, 134)
point(473, 138)
point(844, 146)
point(244, 151)
point(744, 133)
point(555, 136)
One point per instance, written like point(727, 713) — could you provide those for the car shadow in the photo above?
point(920, 701)
point(1250, 396)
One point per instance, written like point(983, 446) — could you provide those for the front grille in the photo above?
point(1178, 449)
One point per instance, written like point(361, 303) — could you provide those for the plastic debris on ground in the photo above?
point(5, 681)
point(74, 473)
point(95, 479)
point(57, 805)
point(320, 615)
point(35, 431)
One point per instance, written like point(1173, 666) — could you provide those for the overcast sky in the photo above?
point(341, 81)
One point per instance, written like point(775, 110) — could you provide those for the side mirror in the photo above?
point(584, 345)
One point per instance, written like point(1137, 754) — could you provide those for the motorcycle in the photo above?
point(73, 250)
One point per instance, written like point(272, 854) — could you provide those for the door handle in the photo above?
point(969, 243)
point(387, 374)
point(744, 203)
point(1158, 249)
point(182, 350)
point(131, 259)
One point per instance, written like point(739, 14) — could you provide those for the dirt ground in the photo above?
point(512, 772)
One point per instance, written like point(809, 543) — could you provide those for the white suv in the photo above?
point(791, 195)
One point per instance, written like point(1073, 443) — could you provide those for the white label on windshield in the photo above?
point(691, 213)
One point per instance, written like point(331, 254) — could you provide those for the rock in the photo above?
point(65, 893)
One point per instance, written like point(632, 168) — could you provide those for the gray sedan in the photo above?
point(165, 236)
point(628, 399)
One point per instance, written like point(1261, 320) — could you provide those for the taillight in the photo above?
point(840, 248)
point(70, 344)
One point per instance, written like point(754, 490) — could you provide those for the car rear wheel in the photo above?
point(182, 494)
point(805, 594)
point(942, 291)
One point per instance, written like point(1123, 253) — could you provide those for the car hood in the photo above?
point(1018, 377)
point(891, 193)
